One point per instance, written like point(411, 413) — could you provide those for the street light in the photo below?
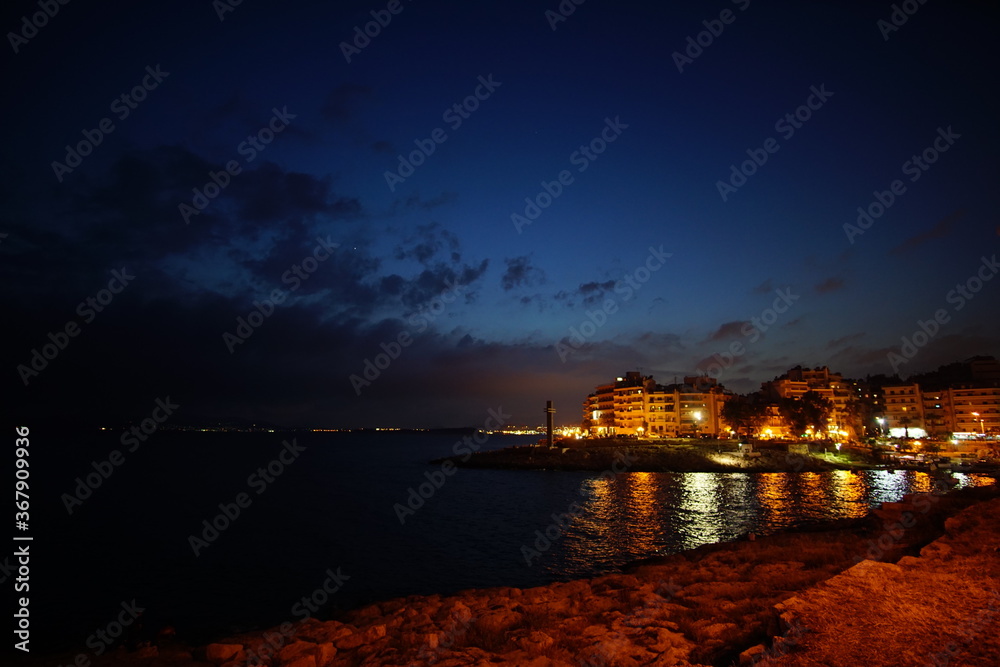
point(697, 419)
point(881, 424)
point(982, 426)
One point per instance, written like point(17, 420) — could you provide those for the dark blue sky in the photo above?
point(595, 254)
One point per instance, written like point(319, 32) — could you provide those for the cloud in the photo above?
point(520, 273)
point(837, 342)
point(340, 103)
point(830, 285)
point(427, 243)
point(594, 292)
point(764, 288)
point(728, 330)
point(414, 202)
point(941, 229)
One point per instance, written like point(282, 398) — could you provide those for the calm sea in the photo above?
point(331, 507)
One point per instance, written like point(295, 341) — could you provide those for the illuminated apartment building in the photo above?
point(829, 386)
point(640, 407)
point(904, 410)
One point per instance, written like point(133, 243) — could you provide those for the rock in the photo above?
point(495, 623)
point(325, 654)
point(873, 569)
point(456, 611)
point(576, 588)
point(715, 632)
point(321, 632)
point(936, 549)
point(295, 649)
point(145, 652)
point(752, 654)
point(370, 613)
point(536, 642)
point(220, 653)
point(349, 642)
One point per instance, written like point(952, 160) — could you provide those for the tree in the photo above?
point(906, 421)
point(608, 422)
point(746, 413)
point(810, 409)
point(857, 415)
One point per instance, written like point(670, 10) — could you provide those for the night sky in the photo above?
point(377, 193)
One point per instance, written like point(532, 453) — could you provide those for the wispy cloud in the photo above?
point(940, 229)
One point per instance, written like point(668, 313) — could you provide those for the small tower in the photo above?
point(549, 411)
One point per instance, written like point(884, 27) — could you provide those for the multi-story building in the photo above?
point(828, 385)
point(975, 409)
point(904, 410)
point(599, 410)
point(969, 408)
point(643, 408)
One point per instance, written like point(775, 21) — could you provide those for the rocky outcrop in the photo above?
point(939, 608)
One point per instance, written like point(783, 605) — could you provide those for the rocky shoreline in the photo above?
point(929, 565)
point(638, 456)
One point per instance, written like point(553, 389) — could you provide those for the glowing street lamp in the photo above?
point(982, 426)
point(881, 424)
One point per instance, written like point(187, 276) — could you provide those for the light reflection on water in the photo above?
point(637, 515)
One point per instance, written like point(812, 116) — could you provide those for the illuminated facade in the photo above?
point(636, 405)
point(904, 410)
point(828, 385)
point(968, 408)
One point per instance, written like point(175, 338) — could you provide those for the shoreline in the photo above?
point(644, 456)
point(704, 606)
